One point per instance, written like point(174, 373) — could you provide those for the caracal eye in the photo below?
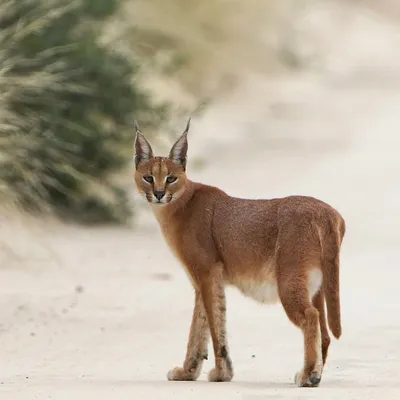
point(171, 179)
point(148, 178)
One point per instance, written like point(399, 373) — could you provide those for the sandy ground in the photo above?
point(104, 313)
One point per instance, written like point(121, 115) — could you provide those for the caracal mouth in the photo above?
point(161, 203)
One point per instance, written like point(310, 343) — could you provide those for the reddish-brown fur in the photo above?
point(285, 249)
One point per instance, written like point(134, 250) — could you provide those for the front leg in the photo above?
point(213, 295)
point(196, 351)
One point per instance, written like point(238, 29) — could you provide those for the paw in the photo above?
point(312, 380)
point(180, 374)
point(218, 375)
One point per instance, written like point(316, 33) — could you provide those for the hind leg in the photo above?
point(295, 298)
point(319, 304)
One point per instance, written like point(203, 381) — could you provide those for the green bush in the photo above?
point(66, 110)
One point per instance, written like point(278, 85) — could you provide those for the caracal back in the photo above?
point(278, 250)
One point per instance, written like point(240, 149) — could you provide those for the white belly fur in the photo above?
point(266, 291)
point(263, 292)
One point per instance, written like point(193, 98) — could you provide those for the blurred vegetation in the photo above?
point(66, 109)
point(201, 46)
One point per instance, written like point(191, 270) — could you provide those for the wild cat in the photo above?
point(283, 249)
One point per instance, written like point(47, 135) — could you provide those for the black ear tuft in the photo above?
point(187, 125)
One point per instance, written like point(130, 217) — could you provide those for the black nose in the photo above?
point(159, 194)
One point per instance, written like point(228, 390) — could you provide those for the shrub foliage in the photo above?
point(66, 110)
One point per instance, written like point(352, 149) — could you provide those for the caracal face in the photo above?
point(161, 180)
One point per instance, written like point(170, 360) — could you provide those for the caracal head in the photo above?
point(161, 180)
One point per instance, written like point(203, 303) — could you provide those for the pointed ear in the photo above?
point(143, 150)
point(178, 153)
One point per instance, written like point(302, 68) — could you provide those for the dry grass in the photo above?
point(17, 135)
point(43, 132)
